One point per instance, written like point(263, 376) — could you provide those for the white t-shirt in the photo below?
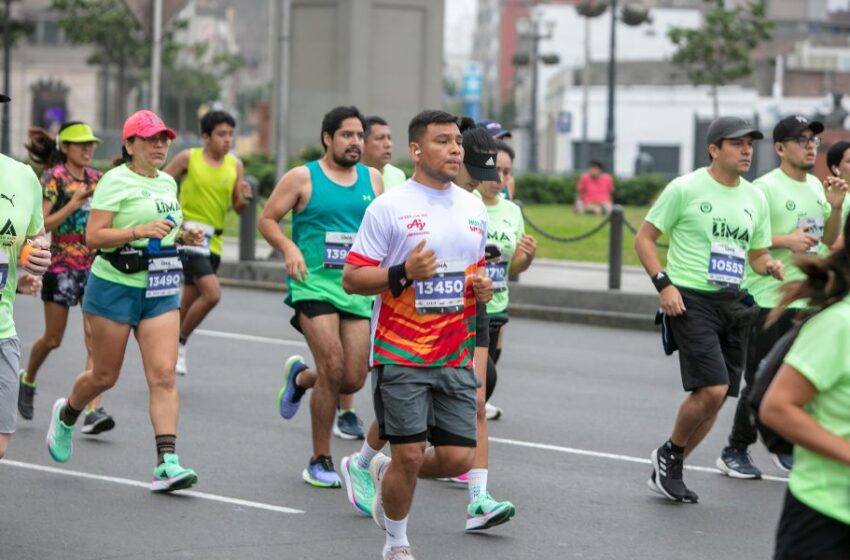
point(432, 323)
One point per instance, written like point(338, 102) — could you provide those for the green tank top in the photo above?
point(206, 193)
point(324, 231)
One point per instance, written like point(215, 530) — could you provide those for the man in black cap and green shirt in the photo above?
point(717, 222)
point(805, 217)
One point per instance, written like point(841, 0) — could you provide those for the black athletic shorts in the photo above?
point(482, 326)
point(805, 534)
point(712, 338)
point(313, 308)
point(197, 266)
point(65, 288)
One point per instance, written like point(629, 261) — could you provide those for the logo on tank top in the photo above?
point(367, 197)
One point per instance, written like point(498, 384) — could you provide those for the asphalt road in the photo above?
point(584, 407)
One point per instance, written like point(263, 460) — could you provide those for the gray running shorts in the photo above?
point(10, 359)
point(436, 403)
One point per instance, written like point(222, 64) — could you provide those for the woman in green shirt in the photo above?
point(134, 285)
point(809, 404)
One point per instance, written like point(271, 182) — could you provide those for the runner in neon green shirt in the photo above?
point(212, 182)
point(838, 163)
point(716, 221)
point(805, 218)
point(328, 199)
point(808, 402)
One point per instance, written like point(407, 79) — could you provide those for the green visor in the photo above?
point(78, 134)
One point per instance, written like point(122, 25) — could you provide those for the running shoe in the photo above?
point(398, 553)
point(180, 368)
point(783, 461)
point(321, 474)
point(485, 512)
point(737, 463)
point(348, 426)
point(668, 464)
point(492, 412)
point(26, 396)
point(97, 421)
point(461, 478)
point(60, 436)
point(377, 468)
point(170, 476)
point(289, 398)
point(358, 485)
point(691, 497)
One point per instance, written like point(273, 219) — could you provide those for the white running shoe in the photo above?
point(377, 468)
point(492, 412)
point(181, 360)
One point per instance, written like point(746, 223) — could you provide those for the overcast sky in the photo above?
point(459, 25)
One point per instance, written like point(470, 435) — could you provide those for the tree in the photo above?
point(719, 51)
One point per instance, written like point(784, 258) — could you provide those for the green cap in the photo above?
point(78, 134)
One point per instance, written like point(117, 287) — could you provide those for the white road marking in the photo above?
point(147, 486)
point(252, 338)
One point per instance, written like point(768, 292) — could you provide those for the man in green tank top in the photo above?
point(328, 199)
point(378, 151)
point(212, 182)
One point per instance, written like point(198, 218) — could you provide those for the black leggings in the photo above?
point(494, 353)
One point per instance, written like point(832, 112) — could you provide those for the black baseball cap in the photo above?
point(495, 129)
point(730, 127)
point(793, 126)
point(481, 166)
point(4, 98)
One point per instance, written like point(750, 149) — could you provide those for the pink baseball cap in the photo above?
point(145, 124)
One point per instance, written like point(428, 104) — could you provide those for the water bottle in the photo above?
point(155, 245)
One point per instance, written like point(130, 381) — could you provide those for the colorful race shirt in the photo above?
point(792, 204)
point(432, 323)
point(711, 228)
point(392, 176)
point(68, 240)
point(820, 483)
point(505, 227)
point(206, 194)
point(324, 231)
point(135, 200)
point(20, 217)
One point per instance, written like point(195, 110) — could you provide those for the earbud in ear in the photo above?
point(418, 152)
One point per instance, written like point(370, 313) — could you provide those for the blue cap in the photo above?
point(495, 129)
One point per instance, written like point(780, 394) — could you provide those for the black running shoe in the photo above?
point(97, 421)
point(26, 396)
point(668, 466)
point(691, 497)
point(737, 463)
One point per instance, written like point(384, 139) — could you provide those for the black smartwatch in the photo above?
point(397, 279)
point(661, 281)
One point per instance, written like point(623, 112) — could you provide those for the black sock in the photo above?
point(165, 443)
point(69, 414)
point(183, 340)
point(298, 392)
point(674, 448)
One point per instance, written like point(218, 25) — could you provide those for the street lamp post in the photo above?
point(610, 136)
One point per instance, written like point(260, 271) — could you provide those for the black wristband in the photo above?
point(661, 281)
point(397, 278)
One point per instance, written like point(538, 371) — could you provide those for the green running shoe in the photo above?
point(358, 485)
point(60, 436)
point(170, 476)
point(485, 512)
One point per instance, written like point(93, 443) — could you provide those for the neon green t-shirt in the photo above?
point(711, 228)
point(792, 204)
point(820, 355)
point(392, 176)
point(135, 200)
point(206, 193)
point(20, 217)
point(845, 210)
point(505, 228)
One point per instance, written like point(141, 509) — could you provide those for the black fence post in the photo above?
point(248, 225)
point(615, 248)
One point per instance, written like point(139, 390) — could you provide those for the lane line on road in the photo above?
point(251, 338)
point(147, 486)
point(613, 456)
point(517, 443)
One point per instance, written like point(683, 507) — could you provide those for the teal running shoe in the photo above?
point(485, 512)
point(289, 396)
point(60, 436)
point(170, 476)
point(358, 485)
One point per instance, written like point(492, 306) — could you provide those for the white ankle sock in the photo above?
point(396, 532)
point(365, 456)
point(476, 484)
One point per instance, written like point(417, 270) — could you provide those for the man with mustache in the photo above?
point(805, 218)
point(716, 221)
point(328, 198)
point(378, 151)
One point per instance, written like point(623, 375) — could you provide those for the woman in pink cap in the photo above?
point(134, 285)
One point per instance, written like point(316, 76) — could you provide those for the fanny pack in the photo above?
point(130, 260)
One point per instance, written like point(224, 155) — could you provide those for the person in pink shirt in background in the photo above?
point(595, 190)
